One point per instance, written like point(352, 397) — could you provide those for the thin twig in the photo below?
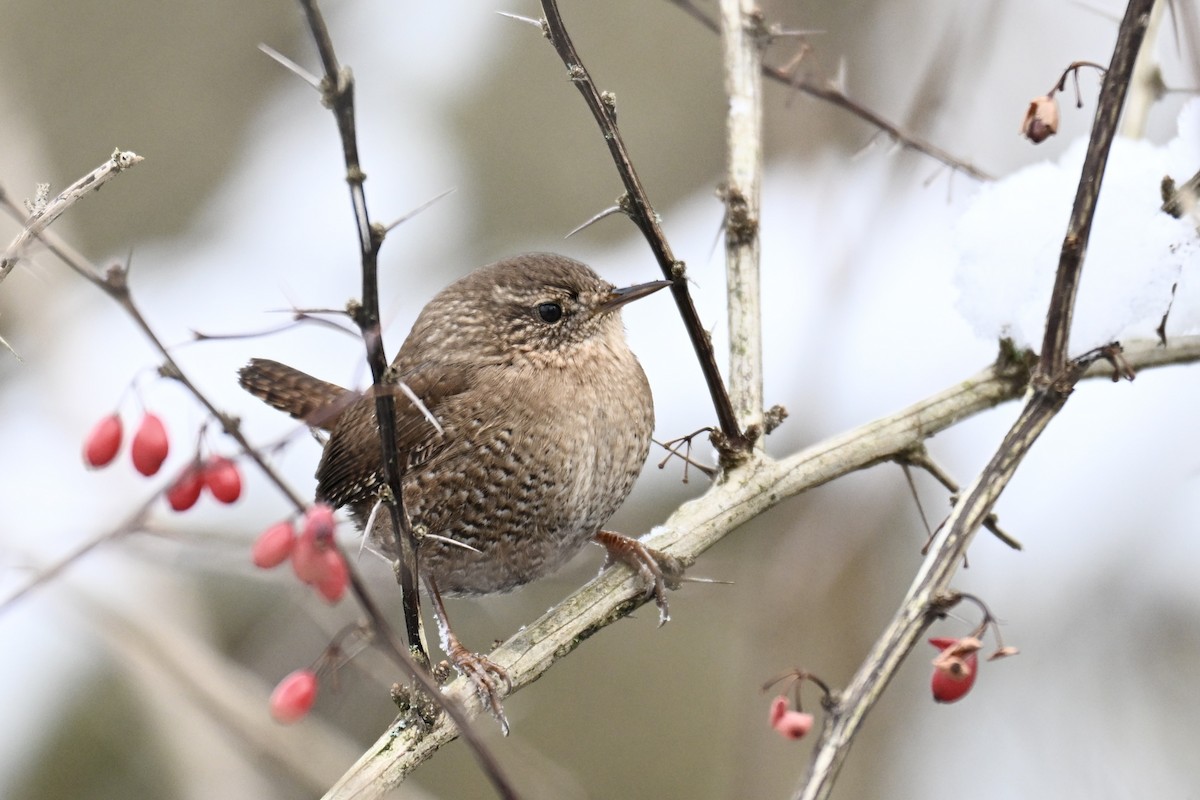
point(636, 204)
point(134, 522)
point(1052, 382)
point(919, 457)
point(338, 95)
point(830, 93)
point(337, 88)
point(1079, 228)
point(42, 217)
point(115, 284)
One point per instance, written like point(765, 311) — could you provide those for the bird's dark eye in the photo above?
point(549, 312)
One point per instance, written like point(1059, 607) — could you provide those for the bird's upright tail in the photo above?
point(317, 402)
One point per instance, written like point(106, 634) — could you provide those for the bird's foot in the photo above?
point(658, 570)
point(490, 679)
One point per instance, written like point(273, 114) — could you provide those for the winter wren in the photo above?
point(545, 419)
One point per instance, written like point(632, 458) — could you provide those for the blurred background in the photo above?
point(143, 670)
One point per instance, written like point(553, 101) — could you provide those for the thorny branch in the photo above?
point(1079, 228)
point(114, 282)
point(338, 94)
point(832, 94)
point(636, 204)
point(337, 89)
point(1053, 381)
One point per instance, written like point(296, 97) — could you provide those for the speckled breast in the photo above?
point(518, 491)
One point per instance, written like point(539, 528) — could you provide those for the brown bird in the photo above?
point(543, 421)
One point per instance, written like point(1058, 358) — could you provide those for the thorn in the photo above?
point(370, 526)
point(454, 542)
point(867, 148)
point(416, 401)
point(10, 349)
point(537, 23)
point(712, 251)
point(608, 212)
point(839, 82)
point(419, 209)
point(290, 66)
point(776, 32)
point(382, 556)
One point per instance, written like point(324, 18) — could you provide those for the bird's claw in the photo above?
point(491, 680)
point(658, 570)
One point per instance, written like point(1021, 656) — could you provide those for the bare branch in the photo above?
point(636, 204)
point(831, 92)
point(1052, 381)
point(338, 86)
point(42, 217)
point(1079, 228)
point(697, 525)
point(338, 95)
point(742, 36)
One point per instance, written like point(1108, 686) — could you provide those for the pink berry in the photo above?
point(184, 493)
point(293, 698)
point(779, 707)
point(788, 723)
point(223, 479)
point(101, 445)
point(332, 585)
point(954, 669)
point(795, 724)
point(150, 445)
point(274, 546)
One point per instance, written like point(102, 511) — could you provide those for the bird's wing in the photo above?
point(350, 469)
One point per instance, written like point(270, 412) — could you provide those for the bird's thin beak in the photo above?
point(628, 294)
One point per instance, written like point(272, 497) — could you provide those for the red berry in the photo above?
point(274, 546)
point(150, 445)
point(293, 698)
point(223, 479)
point(332, 585)
point(318, 523)
point(101, 445)
point(955, 667)
point(308, 560)
point(184, 493)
